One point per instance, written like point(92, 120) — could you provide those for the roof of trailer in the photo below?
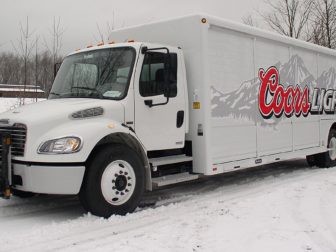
point(214, 21)
point(245, 29)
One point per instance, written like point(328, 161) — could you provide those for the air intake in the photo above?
point(86, 113)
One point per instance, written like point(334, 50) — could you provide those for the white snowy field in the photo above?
point(280, 207)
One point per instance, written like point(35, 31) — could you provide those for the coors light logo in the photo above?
point(275, 99)
point(285, 94)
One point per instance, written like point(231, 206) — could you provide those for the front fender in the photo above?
point(90, 131)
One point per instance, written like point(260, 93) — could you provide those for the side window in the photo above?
point(152, 78)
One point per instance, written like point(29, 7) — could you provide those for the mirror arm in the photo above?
point(145, 49)
point(150, 104)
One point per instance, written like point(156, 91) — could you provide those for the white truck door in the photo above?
point(160, 120)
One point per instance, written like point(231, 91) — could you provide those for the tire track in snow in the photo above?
point(38, 204)
point(233, 187)
point(313, 219)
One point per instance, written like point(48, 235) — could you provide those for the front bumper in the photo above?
point(49, 179)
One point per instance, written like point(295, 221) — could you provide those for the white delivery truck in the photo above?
point(198, 96)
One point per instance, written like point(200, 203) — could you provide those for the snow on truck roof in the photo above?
point(213, 21)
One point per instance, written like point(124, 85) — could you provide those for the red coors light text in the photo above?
point(274, 99)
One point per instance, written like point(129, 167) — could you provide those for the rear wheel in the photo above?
point(312, 160)
point(328, 159)
point(114, 183)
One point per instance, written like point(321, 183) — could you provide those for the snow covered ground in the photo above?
point(280, 207)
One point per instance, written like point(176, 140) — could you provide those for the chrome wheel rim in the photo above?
point(332, 148)
point(118, 182)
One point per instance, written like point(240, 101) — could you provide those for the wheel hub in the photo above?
point(121, 183)
point(332, 148)
point(118, 182)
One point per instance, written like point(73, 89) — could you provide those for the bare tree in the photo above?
point(24, 49)
point(104, 35)
point(36, 64)
point(288, 17)
point(54, 48)
point(323, 29)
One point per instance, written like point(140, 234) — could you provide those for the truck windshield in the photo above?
point(99, 74)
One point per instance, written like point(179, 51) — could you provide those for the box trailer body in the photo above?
point(223, 60)
point(195, 96)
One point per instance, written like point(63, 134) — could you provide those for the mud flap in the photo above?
point(5, 166)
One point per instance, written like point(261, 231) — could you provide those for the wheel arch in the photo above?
point(129, 141)
point(333, 126)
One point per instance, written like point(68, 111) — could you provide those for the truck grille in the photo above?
point(18, 134)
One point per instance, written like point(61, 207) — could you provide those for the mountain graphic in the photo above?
point(243, 102)
point(327, 79)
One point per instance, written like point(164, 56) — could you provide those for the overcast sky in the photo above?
point(79, 18)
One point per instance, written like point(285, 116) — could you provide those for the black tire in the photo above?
point(106, 161)
point(22, 194)
point(324, 160)
point(312, 160)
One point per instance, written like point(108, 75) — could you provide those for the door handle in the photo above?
point(179, 119)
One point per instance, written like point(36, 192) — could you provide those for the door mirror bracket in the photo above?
point(150, 104)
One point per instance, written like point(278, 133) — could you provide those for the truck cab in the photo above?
point(147, 80)
point(110, 108)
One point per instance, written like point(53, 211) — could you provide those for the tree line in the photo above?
point(310, 20)
point(38, 71)
point(33, 57)
point(32, 60)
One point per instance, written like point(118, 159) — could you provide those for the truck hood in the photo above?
point(60, 110)
point(52, 119)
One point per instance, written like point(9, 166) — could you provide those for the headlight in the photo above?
point(64, 145)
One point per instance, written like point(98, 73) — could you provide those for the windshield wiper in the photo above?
point(95, 91)
point(85, 88)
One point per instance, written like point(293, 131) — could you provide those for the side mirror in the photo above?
point(56, 68)
point(169, 77)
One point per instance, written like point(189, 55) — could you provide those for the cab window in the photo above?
point(152, 78)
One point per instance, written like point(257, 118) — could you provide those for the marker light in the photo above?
point(111, 42)
point(100, 44)
point(89, 46)
point(131, 41)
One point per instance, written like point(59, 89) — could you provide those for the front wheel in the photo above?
point(114, 182)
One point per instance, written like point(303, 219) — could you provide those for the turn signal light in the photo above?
point(8, 141)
